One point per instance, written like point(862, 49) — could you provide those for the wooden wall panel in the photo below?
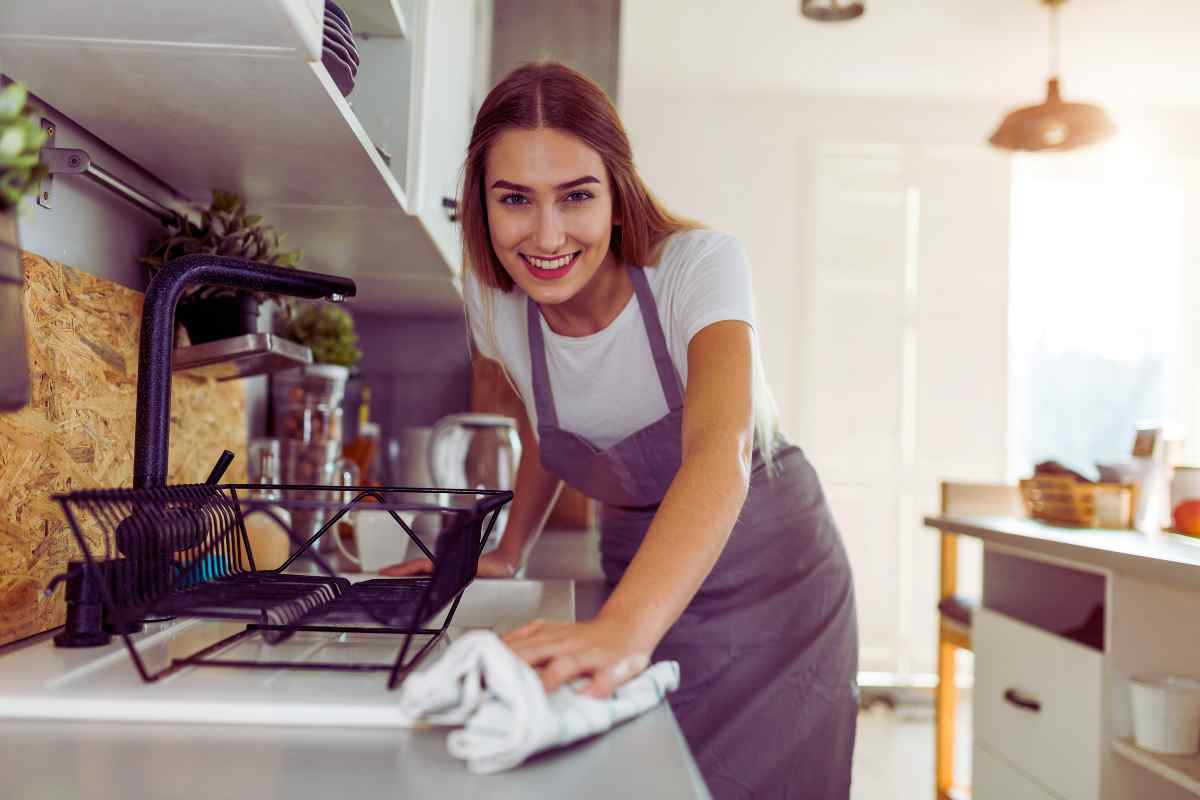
point(77, 431)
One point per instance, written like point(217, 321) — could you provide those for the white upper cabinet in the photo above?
point(277, 26)
point(232, 94)
point(448, 69)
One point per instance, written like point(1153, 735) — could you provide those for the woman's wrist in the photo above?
point(513, 556)
point(642, 635)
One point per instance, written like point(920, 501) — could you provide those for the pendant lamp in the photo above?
point(1055, 124)
point(830, 10)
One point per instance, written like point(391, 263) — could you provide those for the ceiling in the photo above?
point(1112, 51)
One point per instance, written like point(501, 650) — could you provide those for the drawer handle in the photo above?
point(1014, 697)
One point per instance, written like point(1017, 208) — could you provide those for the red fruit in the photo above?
point(1186, 517)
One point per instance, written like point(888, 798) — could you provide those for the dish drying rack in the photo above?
point(183, 551)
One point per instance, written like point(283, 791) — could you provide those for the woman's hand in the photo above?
point(491, 565)
point(603, 651)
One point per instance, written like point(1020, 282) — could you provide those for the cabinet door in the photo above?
point(1037, 703)
point(448, 44)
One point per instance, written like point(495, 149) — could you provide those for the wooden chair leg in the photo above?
point(946, 701)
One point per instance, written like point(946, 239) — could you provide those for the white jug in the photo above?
point(475, 451)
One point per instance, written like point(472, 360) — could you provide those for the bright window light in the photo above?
point(1095, 260)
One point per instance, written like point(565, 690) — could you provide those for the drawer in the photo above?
point(994, 779)
point(1037, 703)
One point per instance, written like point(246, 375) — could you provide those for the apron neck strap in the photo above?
point(543, 395)
point(667, 376)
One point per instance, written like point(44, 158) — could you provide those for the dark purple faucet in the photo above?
point(153, 422)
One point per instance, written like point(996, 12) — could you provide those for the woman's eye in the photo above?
point(579, 196)
point(513, 199)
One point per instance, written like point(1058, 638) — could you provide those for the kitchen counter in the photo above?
point(1069, 616)
point(56, 758)
point(1155, 556)
point(51, 760)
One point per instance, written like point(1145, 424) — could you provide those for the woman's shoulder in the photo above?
point(477, 294)
point(495, 317)
point(693, 253)
point(694, 245)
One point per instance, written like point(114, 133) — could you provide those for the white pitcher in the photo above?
point(474, 451)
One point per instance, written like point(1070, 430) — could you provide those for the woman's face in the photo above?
point(550, 211)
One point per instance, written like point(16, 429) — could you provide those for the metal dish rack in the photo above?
point(183, 551)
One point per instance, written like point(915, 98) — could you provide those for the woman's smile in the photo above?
point(551, 268)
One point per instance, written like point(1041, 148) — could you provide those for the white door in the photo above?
point(907, 352)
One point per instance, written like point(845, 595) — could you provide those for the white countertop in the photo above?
point(53, 760)
point(61, 758)
point(1159, 556)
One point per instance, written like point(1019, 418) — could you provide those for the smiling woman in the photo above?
point(629, 335)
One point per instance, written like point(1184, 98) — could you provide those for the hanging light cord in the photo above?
point(1054, 38)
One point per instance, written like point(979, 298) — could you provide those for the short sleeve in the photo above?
point(476, 312)
point(712, 282)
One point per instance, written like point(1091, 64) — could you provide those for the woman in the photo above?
point(628, 333)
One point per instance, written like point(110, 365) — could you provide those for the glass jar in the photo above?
point(1185, 499)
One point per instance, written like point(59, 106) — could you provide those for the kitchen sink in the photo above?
point(44, 681)
point(504, 604)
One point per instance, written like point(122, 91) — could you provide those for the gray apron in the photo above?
point(768, 647)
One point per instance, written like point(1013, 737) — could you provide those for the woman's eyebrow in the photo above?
point(516, 187)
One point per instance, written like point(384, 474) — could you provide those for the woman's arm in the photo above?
point(686, 536)
point(534, 493)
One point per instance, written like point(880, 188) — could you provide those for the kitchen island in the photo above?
point(1068, 617)
point(62, 755)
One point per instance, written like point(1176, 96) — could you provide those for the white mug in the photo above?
point(379, 539)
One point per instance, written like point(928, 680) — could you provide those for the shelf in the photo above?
point(240, 357)
point(1183, 771)
point(375, 17)
point(275, 129)
point(206, 102)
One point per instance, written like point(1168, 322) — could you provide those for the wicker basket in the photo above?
point(1064, 500)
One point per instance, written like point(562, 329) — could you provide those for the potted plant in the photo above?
point(209, 312)
point(308, 399)
point(21, 137)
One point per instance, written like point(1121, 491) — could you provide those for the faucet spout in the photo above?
point(152, 427)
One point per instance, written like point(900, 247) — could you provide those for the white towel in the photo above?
point(506, 716)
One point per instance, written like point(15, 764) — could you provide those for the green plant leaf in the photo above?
point(12, 101)
point(12, 141)
point(19, 162)
point(35, 137)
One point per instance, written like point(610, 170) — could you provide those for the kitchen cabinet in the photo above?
point(1037, 703)
point(232, 94)
point(1069, 616)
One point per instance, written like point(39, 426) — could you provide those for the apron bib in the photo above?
point(768, 647)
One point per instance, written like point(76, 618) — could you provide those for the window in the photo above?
point(1094, 324)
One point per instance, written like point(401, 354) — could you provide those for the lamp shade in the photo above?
point(1053, 125)
point(830, 10)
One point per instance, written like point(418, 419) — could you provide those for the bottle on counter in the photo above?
point(266, 521)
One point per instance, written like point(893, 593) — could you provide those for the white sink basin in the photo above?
point(504, 604)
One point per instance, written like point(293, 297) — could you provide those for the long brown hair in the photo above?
point(551, 95)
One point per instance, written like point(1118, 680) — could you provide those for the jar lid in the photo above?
point(1170, 683)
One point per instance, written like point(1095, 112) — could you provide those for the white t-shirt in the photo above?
point(605, 385)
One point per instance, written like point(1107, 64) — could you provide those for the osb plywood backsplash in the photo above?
point(77, 431)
